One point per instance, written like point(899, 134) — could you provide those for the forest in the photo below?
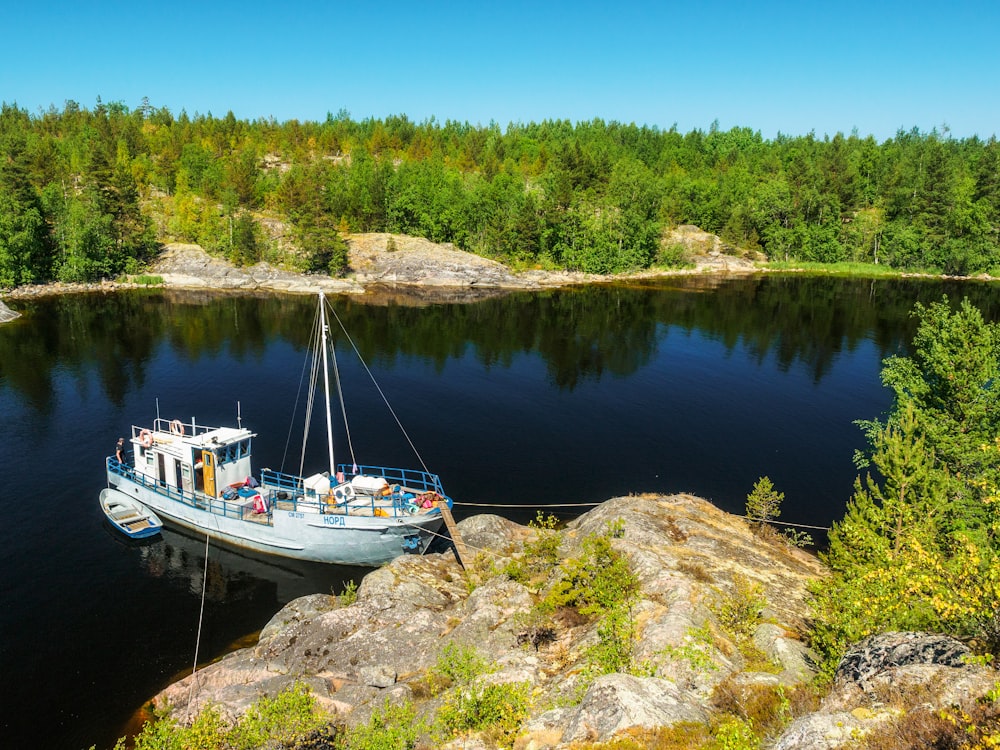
point(87, 194)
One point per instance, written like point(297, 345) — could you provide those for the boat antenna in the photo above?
point(157, 408)
point(239, 417)
point(324, 329)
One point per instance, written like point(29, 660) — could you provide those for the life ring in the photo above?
point(177, 427)
point(146, 439)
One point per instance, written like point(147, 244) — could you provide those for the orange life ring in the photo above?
point(146, 439)
point(177, 427)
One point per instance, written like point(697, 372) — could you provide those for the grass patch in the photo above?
point(845, 268)
point(146, 280)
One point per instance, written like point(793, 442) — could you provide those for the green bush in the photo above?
point(391, 728)
point(283, 719)
point(497, 709)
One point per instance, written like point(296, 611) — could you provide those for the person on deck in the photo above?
point(120, 451)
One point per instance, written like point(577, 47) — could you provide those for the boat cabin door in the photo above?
point(208, 461)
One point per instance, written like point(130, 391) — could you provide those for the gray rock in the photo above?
point(898, 670)
point(6, 314)
point(487, 532)
point(376, 676)
point(796, 659)
point(819, 732)
point(297, 611)
point(618, 702)
point(884, 651)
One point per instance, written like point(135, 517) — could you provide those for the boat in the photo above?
point(201, 478)
point(128, 515)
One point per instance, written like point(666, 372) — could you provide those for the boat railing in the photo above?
point(419, 480)
point(186, 428)
point(283, 482)
point(216, 505)
point(405, 485)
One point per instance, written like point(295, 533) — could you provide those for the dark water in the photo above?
point(573, 396)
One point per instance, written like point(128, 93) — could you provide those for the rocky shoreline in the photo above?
point(408, 268)
point(691, 560)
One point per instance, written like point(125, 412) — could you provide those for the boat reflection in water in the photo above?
point(236, 575)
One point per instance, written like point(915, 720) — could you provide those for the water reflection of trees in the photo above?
point(581, 334)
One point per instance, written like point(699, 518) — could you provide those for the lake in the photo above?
point(692, 384)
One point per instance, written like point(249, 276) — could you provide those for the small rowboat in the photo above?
point(128, 515)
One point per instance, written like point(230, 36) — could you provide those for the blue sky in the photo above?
point(771, 65)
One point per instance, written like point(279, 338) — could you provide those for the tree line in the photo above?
point(89, 193)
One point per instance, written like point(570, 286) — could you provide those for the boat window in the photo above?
point(149, 458)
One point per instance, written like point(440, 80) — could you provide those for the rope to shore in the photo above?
point(197, 642)
point(522, 505)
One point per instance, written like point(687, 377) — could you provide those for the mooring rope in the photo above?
point(522, 505)
point(197, 642)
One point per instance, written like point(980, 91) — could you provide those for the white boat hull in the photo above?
point(319, 537)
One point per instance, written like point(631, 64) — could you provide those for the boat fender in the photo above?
point(381, 513)
point(146, 439)
point(177, 427)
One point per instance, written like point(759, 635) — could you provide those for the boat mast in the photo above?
point(326, 384)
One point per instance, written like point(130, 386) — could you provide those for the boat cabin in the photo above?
point(192, 458)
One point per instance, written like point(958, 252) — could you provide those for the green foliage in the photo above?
point(600, 584)
point(695, 650)
point(460, 665)
point(245, 244)
point(739, 612)
point(78, 188)
point(764, 502)
point(734, 733)
point(390, 728)
point(349, 595)
point(280, 720)
point(498, 709)
point(542, 552)
point(147, 280)
point(599, 580)
point(288, 716)
point(918, 550)
point(673, 256)
point(797, 537)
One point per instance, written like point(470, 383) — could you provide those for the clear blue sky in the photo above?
point(771, 65)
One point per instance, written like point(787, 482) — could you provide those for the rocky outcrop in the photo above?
point(708, 251)
point(690, 558)
point(189, 266)
point(687, 554)
point(380, 258)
